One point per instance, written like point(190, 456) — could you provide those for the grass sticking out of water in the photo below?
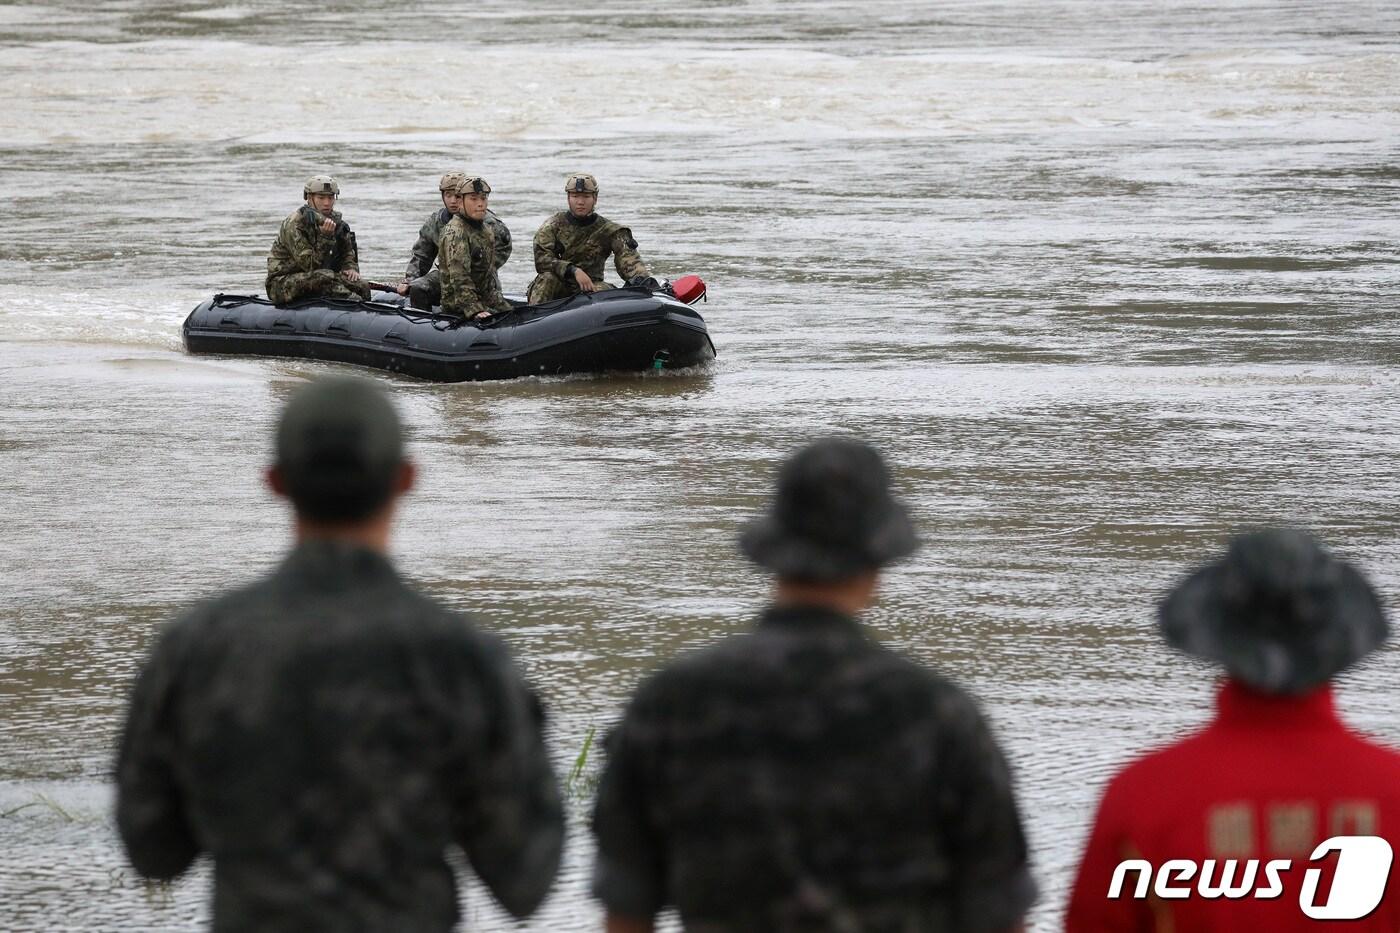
point(43, 800)
point(582, 783)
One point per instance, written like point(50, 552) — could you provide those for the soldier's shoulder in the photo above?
point(918, 698)
point(440, 626)
point(203, 622)
point(755, 654)
point(437, 616)
point(433, 223)
point(275, 608)
point(615, 230)
point(225, 602)
point(393, 609)
point(555, 220)
point(697, 670)
point(900, 673)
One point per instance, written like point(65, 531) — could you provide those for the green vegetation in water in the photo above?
point(581, 783)
point(158, 894)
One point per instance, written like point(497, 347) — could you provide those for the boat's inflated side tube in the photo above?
point(615, 329)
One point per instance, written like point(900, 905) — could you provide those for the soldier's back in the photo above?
point(803, 777)
point(319, 713)
point(433, 226)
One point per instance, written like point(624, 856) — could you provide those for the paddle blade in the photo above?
point(688, 289)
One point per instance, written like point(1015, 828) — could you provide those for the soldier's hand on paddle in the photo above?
point(402, 288)
point(351, 275)
point(585, 284)
point(328, 226)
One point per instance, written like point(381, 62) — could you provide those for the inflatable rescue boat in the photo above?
point(620, 329)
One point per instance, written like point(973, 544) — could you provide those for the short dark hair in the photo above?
point(339, 449)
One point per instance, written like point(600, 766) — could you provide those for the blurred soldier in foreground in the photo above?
point(422, 284)
point(572, 247)
point(1273, 776)
point(800, 777)
point(315, 255)
point(327, 733)
point(467, 256)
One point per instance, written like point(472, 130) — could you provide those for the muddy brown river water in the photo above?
point(1105, 281)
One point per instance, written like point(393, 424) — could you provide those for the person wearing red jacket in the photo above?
point(1234, 828)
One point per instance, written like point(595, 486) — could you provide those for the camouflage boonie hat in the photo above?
point(1278, 610)
point(451, 180)
point(832, 517)
point(581, 183)
point(472, 184)
point(320, 184)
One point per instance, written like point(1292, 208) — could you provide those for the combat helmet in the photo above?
point(320, 184)
point(472, 184)
point(451, 180)
point(580, 183)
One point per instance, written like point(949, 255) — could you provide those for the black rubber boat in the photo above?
point(627, 329)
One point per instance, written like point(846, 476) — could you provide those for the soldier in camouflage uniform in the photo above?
point(572, 247)
point(422, 283)
point(800, 777)
point(467, 257)
point(327, 733)
point(315, 254)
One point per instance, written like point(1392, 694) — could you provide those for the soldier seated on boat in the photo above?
point(467, 256)
point(314, 255)
point(421, 282)
point(572, 247)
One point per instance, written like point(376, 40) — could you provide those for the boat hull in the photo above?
point(624, 329)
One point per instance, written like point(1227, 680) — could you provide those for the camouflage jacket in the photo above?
point(801, 777)
point(325, 734)
point(467, 265)
point(301, 246)
point(426, 249)
point(564, 240)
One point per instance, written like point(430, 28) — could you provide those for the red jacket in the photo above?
point(1270, 778)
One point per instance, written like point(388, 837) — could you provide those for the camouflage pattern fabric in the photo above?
point(306, 262)
point(802, 778)
point(547, 286)
point(1278, 610)
point(325, 734)
point(425, 292)
point(322, 283)
point(466, 263)
point(425, 250)
point(564, 241)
